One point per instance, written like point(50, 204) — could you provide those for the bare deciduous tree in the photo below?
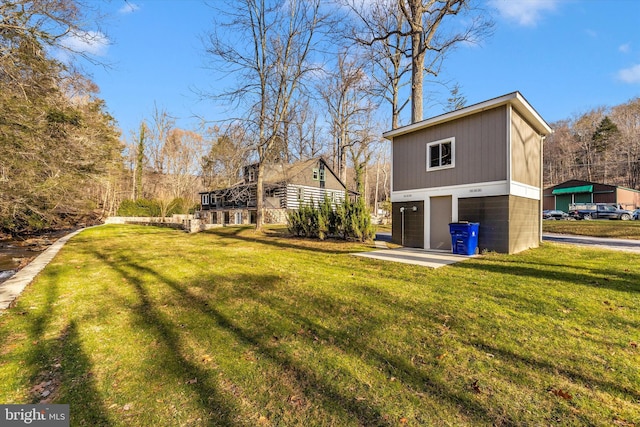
point(347, 100)
point(431, 41)
point(268, 45)
point(382, 28)
point(228, 153)
point(600, 145)
point(429, 26)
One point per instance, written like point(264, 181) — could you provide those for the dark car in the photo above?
point(636, 214)
point(554, 214)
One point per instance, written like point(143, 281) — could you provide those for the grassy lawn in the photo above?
point(597, 228)
point(139, 326)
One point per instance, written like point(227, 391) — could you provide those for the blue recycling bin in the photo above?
point(464, 237)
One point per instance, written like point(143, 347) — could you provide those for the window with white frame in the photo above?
point(205, 199)
point(441, 154)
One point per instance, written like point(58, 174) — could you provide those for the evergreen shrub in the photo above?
point(347, 221)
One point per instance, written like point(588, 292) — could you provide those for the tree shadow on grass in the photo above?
point(352, 338)
point(556, 369)
point(173, 359)
point(278, 241)
point(60, 370)
point(77, 383)
point(614, 279)
point(306, 377)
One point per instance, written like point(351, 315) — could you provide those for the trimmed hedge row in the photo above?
point(153, 208)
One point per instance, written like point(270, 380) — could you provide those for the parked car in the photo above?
point(598, 211)
point(554, 214)
point(636, 214)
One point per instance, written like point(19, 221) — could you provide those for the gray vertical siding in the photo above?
point(480, 152)
point(524, 224)
point(493, 215)
point(526, 149)
point(508, 224)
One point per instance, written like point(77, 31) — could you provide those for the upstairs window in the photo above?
point(205, 199)
point(316, 174)
point(441, 154)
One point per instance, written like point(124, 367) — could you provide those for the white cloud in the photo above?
point(90, 43)
point(128, 8)
point(630, 75)
point(524, 12)
point(625, 48)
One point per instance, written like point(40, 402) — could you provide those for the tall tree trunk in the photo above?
point(417, 82)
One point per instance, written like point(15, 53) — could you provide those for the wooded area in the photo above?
point(601, 145)
point(60, 159)
point(309, 79)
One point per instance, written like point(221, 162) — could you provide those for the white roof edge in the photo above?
point(513, 98)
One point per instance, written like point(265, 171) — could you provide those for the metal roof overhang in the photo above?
point(579, 189)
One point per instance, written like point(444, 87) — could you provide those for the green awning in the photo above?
point(579, 189)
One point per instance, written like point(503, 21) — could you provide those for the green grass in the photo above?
point(597, 228)
point(139, 326)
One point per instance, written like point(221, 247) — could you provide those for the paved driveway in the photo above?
point(598, 242)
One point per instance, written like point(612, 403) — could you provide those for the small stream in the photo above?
point(17, 253)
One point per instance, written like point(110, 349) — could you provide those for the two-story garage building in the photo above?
point(482, 163)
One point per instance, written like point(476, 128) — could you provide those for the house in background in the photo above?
point(286, 186)
point(482, 163)
point(577, 191)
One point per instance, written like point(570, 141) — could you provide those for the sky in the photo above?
point(565, 57)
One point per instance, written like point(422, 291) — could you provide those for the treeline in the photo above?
point(64, 162)
point(601, 145)
point(60, 152)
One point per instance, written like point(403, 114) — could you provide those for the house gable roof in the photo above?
point(284, 173)
point(278, 172)
point(515, 99)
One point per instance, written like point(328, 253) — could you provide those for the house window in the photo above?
point(316, 174)
point(441, 154)
point(252, 175)
point(271, 192)
point(322, 173)
point(205, 199)
point(300, 193)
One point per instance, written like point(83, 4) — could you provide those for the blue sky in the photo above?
point(564, 56)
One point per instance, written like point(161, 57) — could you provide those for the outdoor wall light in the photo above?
point(415, 209)
point(402, 209)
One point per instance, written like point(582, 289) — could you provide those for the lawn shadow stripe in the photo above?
point(151, 318)
point(297, 243)
point(593, 278)
point(555, 369)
